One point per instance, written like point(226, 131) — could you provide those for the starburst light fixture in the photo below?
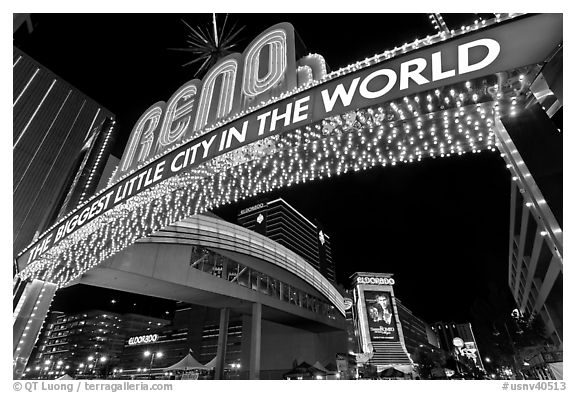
point(208, 45)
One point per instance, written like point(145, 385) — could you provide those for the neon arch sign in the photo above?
point(178, 167)
point(232, 86)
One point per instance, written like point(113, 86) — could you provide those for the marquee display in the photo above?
point(249, 97)
point(381, 318)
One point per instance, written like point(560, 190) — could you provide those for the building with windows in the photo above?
point(281, 222)
point(62, 143)
point(55, 128)
point(194, 330)
point(86, 343)
point(417, 333)
point(465, 349)
point(535, 272)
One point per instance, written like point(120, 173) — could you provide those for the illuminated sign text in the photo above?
point(150, 338)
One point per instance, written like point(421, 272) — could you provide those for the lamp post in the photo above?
point(101, 359)
point(152, 356)
point(46, 368)
point(90, 358)
point(235, 369)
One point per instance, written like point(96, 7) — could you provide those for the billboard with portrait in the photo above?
point(381, 318)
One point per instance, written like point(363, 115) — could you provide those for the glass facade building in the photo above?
point(282, 223)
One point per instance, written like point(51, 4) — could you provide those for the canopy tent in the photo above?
point(187, 363)
point(392, 373)
point(320, 367)
point(557, 369)
point(65, 377)
point(306, 371)
point(211, 363)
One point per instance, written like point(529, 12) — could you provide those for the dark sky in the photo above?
point(441, 225)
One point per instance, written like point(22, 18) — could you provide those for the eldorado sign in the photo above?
point(173, 137)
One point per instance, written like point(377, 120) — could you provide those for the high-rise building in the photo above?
point(531, 144)
point(85, 343)
point(282, 223)
point(535, 273)
point(53, 124)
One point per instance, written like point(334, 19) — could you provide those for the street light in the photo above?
point(487, 359)
point(152, 356)
point(235, 368)
point(93, 367)
point(102, 359)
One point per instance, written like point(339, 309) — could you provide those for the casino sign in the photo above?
point(262, 120)
point(147, 339)
point(375, 280)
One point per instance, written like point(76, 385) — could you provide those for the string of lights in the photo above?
point(454, 120)
point(449, 121)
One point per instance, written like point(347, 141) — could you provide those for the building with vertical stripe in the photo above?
point(535, 262)
point(281, 222)
point(55, 127)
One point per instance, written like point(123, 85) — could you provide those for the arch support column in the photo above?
point(256, 336)
point(222, 343)
point(28, 318)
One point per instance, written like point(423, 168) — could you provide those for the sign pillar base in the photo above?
point(28, 319)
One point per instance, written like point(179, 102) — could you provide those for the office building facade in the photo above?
point(281, 222)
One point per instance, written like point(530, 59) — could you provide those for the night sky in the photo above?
point(441, 225)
